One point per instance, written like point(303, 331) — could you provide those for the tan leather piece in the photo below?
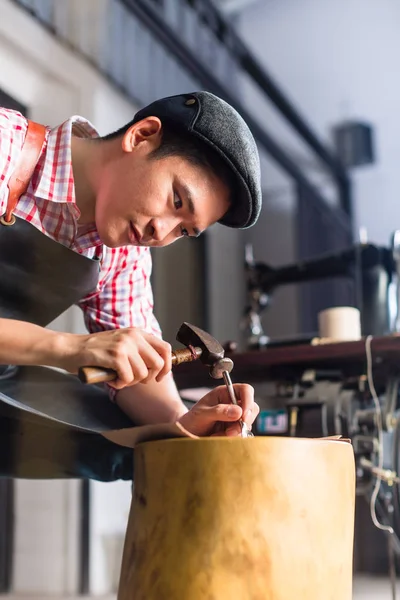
point(25, 166)
point(240, 519)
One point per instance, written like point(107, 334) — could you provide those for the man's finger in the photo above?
point(219, 430)
point(125, 375)
point(245, 395)
point(219, 412)
point(250, 414)
point(165, 351)
point(233, 430)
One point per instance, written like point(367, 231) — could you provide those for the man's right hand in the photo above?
point(136, 356)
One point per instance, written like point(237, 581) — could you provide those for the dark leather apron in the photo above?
point(49, 421)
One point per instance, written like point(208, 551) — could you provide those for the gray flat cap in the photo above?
point(217, 124)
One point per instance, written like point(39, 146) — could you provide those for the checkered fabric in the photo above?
point(124, 296)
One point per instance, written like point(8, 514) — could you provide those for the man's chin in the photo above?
point(111, 242)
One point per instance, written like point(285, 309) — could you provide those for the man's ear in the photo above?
point(147, 130)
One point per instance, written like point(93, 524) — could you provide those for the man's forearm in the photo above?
point(152, 402)
point(23, 343)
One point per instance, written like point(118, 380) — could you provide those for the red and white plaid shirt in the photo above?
point(124, 296)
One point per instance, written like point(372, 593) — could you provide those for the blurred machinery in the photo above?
point(374, 270)
point(349, 389)
point(309, 388)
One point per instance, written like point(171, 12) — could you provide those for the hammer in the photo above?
point(199, 344)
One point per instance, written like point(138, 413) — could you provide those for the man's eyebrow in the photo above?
point(189, 200)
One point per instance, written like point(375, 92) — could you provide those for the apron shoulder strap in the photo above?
point(25, 166)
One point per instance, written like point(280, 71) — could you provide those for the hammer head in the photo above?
point(212, 350)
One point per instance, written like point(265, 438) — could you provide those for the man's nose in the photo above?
point(162, 228)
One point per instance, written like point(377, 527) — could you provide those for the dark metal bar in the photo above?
point(165, 34)
point(250, 64)
point(264, 81)
point(345, 191)
point(226, 33)
point(84, 564)
point(6, 534)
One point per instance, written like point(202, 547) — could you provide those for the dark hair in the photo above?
point(177, 142)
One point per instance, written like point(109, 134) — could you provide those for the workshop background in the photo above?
point(303, 71)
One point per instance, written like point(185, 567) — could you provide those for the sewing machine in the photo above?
point(373, 271)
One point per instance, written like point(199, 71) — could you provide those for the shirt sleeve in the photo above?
point(13, 126)
point(124, 296)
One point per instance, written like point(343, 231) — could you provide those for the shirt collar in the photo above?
point(53, 179)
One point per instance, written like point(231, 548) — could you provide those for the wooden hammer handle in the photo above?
point(96, 375)
point(185, 355)
point(99, 375)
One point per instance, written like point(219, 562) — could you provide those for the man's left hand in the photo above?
point(215, 415)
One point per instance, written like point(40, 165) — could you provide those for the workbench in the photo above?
point(285, 360)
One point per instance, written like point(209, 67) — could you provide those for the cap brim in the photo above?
point(238, 215)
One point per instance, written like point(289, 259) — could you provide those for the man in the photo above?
point(82, 230)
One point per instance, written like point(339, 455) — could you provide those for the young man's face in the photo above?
point(144, 201)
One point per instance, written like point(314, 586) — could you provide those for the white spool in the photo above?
point(342, 323)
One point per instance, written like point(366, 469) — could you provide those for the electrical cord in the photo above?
point(392, 565)
point(375, 493)
point(378, 411)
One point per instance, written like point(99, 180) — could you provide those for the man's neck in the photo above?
point(85, 158)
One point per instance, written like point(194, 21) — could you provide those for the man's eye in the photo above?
point(177, 202)
point(184, 232)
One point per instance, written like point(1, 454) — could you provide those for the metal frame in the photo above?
point(250, 65)
point(84, 539)
point(247, 61)
point(165, 34)
point(7, 534)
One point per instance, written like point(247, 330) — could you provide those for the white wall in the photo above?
point(334, 60)
point(55, 84)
